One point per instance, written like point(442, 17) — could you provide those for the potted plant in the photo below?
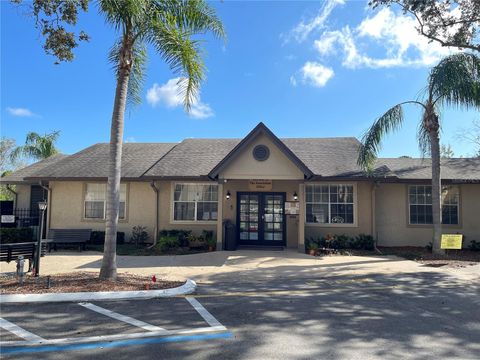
point(212, 243)
point(312, 248)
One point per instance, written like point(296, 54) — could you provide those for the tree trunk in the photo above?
point(109, 262)
point(433, 128)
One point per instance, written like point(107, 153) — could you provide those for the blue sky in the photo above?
point(306, 69)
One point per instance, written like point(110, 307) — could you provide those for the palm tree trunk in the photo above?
point(436, 186)
point(109, 261)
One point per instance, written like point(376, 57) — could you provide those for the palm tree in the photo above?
point(168, 26)
point(37, 146)
point(455, 81)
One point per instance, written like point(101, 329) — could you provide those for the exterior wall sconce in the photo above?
point(228, 195)
point(295, 196)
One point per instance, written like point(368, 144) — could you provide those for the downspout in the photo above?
point(49, 207)
point(155, 230)
point(374, 213)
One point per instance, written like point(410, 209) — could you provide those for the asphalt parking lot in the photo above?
point(273, 305)
point(414, 316)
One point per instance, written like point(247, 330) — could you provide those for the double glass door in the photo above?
point(261, 218)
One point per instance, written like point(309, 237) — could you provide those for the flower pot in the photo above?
point(312, 252)
point(211, 248)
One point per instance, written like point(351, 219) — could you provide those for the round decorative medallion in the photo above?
point(261, 152)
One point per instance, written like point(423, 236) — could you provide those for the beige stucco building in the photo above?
point(277, 192)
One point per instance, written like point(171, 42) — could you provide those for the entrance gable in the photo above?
point(261, 155)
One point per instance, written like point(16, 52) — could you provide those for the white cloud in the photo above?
point(303, 29)
point(315, 74)
point(169, 95)
point(130, 139)
point(385, 39)
point(393, 35)
point(23, 112)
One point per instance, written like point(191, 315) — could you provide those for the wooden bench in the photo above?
point(68, 237)
point(11, 252)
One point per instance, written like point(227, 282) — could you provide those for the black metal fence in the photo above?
point(26, 217)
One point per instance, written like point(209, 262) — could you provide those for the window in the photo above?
point(195, 202)
point(96, 200)
point(330, 204)
point(420, 204)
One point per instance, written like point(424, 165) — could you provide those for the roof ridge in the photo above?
point(156, 162)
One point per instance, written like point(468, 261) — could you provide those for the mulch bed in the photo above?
point(80, 281)
point(452, 258)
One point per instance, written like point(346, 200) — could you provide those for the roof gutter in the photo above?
point(155, 230)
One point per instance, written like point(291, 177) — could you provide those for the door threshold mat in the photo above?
point(260, 247)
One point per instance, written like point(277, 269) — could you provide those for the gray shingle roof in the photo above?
point(325, 157)
point(192, 158)
point(19, 175)
point(92, 162)
point(407, 168)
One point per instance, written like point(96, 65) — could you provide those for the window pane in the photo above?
point(184, 211)
point(123, 192)
point(96, 192)
point(207, 211)
point(309, 193)
point(317, 213)
point(121, 214)
point(94, 209)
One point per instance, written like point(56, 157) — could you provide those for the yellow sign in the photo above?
point(451, 241)
point(260, 185)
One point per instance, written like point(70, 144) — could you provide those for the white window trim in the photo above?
point(334, 225)
point(195, 221)
point(441, 207)
point(84, 218)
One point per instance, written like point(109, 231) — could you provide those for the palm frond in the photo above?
point(182, 54)
point(195, 16)
point(371, 141)
point(455, 81)
point(37, 146)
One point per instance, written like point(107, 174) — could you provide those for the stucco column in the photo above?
point(220, 217)
point(301, 218)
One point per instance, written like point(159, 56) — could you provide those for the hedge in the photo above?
point(16, 235)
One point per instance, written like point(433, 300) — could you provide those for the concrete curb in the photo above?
point(188, 288)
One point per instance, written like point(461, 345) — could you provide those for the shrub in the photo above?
point(363, 242)
point(168, 242)
point(16, 235)
point(340, 242)
point(182, 235)
point(474, 245)
point(98, 237)
point(139, 235)
point(196, 241)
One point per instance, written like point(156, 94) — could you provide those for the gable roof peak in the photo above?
point(257, 130)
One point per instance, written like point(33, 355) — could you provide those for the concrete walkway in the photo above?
point(254, 265)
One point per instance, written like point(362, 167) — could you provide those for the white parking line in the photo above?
point(17, 330)
point(203, 312)
point(153, 331)
point(123, 318)
point(87, 339)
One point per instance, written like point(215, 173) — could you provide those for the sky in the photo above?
point(305, 69)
